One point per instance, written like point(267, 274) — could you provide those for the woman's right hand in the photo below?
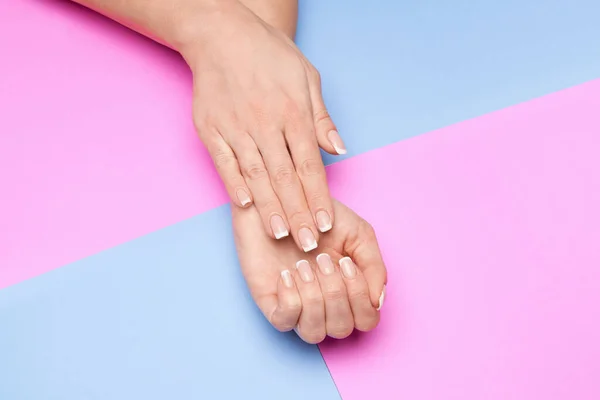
point(259, 110)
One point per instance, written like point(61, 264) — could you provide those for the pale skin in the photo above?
point(259, 111)
point(330, 292)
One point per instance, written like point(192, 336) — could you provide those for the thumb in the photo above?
point(327, 135)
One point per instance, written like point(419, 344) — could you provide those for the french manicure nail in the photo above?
point(336, 142)
point(286, 276)
point(325, 264)
point(347, 267)
point(323, 221)
point(307, 239)
point(243, 197)
point(305, 271)
point(381, 298)
point(278, 227)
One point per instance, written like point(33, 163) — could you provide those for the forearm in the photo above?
point(280, 14)
point(177, 23)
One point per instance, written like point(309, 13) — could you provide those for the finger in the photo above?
point(338, 316)
point(288, 188)
point(311, 171)
point(228, 169)
point(283, 310)
point(257, 178)
point(365, 315)
point(327, 134)
point(311, 325)
point(367, 256)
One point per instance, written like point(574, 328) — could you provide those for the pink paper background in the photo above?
point(91, 194)
point(491, 233)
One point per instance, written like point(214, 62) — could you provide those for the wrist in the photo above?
point(202, 23)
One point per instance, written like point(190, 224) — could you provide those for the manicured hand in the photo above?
point(258, 109)
point(339, 290)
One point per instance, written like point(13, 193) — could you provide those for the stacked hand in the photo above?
point(340, 289)
point(258, 109)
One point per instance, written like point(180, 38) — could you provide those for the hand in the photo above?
point(339, 290)
point(258, 109)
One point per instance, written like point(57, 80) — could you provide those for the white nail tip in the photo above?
point(381, 299)
point(245, 202)
point(322, 255)
point(312, 246)
point(300, 262)
point(325, 228)
point(281, 234)
point(345, 258)
point(339, 150)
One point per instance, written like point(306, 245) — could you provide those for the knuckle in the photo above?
point(367, 230)
point(291, 306)
point(341, 330)
point(334, 294)
point(224, 160)
point(287, 319)
point(269, 206)
point(362, 235)
point(317, 199)
point(311, 167)
point(313, 336)
point(200, 122)
point(321, 115)
point(359, 295)
point(280, 326)
point(296, 216)
point(291, 109)
point(284, 176)
point(284, 325)
point(366, 324)
point(255, 172)
point(314, 300)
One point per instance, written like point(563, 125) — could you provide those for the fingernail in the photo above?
point(286, 276)
point(381, 298)
point(278, 227)
point(323, 221)
point(348, 268)
point(243, 197)
point(305, 271)
point(307, 239)
point(336, 142)
point(325, 264)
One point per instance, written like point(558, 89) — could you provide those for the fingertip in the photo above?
point(286, 278)
point(324, 221)
point(348, 268)
point(242, 198)
point(336, 142)
point(381, 299)
point(326, 146)
point(278, 229)
point(307, 239)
